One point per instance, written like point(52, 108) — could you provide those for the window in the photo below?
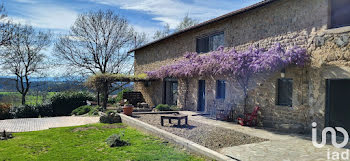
point(210, 43)
point(220, 89)
point(174, 93)
point(285, 92)
point(202, 45)
point(216, 40)
point(340, 13)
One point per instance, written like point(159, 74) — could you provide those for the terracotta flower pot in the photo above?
point(127, 109)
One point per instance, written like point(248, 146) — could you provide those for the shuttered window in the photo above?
point(220, 89)
point(210, 43)
point(285, 92)
point(340, 13)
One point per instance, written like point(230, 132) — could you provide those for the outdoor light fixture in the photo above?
point(283, 72)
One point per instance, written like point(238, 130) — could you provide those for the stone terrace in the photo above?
point(36, 124)
point(281, 146)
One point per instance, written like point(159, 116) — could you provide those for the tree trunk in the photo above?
point(23, 98)
point(98, 98)
point(105, 96)
point(245, 100)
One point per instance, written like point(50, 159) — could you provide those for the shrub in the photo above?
point(163, 107)
point(81, 110)
point(119, 109)
point(24, 111)
point(111, 118)
point(174, 108)
point(45, 110)
point(120, 94)
point(116, 141)
point(94, 110)
point(111, 101)
point(5, 111)
point(64, 103)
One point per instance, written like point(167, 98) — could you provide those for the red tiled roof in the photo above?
point(233, 13)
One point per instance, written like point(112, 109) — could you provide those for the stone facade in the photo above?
point(289, 22)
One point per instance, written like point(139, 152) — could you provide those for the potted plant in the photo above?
point(128, 108)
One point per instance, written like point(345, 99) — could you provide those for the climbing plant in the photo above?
point(240, 65)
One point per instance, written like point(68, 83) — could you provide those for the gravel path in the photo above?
point(209, 136)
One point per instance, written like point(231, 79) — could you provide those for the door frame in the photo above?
point(327, 103)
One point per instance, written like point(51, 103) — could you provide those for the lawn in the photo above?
point(14, 98)
point(88, 143)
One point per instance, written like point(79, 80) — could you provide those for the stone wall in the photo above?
point(262, 93)
point(330, 52)
point(152, 93)
point(289, 22)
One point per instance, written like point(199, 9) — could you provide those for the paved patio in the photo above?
point(36, 124)
point(282, 146)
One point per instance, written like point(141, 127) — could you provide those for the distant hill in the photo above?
point(9, 85)
point(47, 85)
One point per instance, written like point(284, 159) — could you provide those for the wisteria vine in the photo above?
point(233, 63)
point(241, 66)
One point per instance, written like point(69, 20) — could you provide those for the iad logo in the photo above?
point(331, 155)
point(333, 136)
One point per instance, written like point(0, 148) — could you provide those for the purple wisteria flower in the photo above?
point(236, 64)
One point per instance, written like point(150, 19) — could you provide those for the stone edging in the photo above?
point(182, 142)
point(159, 112)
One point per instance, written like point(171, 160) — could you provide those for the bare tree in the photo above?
point(98, 43)
point(23, 57)
point(6, 27)
point(162, 33)
point(186, 23)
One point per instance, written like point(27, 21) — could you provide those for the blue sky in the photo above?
point(145, 15)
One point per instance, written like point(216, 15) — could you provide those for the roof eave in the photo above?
point(220, 18)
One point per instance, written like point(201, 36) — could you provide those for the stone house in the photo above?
point(296, 97)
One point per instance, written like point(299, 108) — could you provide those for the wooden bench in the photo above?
point(176, 117)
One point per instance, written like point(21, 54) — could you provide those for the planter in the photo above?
point(127, 109)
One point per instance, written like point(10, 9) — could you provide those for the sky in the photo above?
point(146, 16)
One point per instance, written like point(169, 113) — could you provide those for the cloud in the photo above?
point(169, 11)
point(46, 16)
point(25, 1)
point(147, 30)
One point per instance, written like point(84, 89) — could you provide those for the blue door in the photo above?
point(201, 95)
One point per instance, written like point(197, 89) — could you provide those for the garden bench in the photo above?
point(176, 117)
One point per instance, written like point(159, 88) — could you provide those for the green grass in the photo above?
point(69, 144)
point(15, 98)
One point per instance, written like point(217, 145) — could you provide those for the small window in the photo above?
point(216, 40)
point(285, 92)
point(220, 89)
point(210, 43)
point(340, 13)
point(202, 45)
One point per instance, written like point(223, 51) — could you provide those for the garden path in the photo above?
point(36, 124)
